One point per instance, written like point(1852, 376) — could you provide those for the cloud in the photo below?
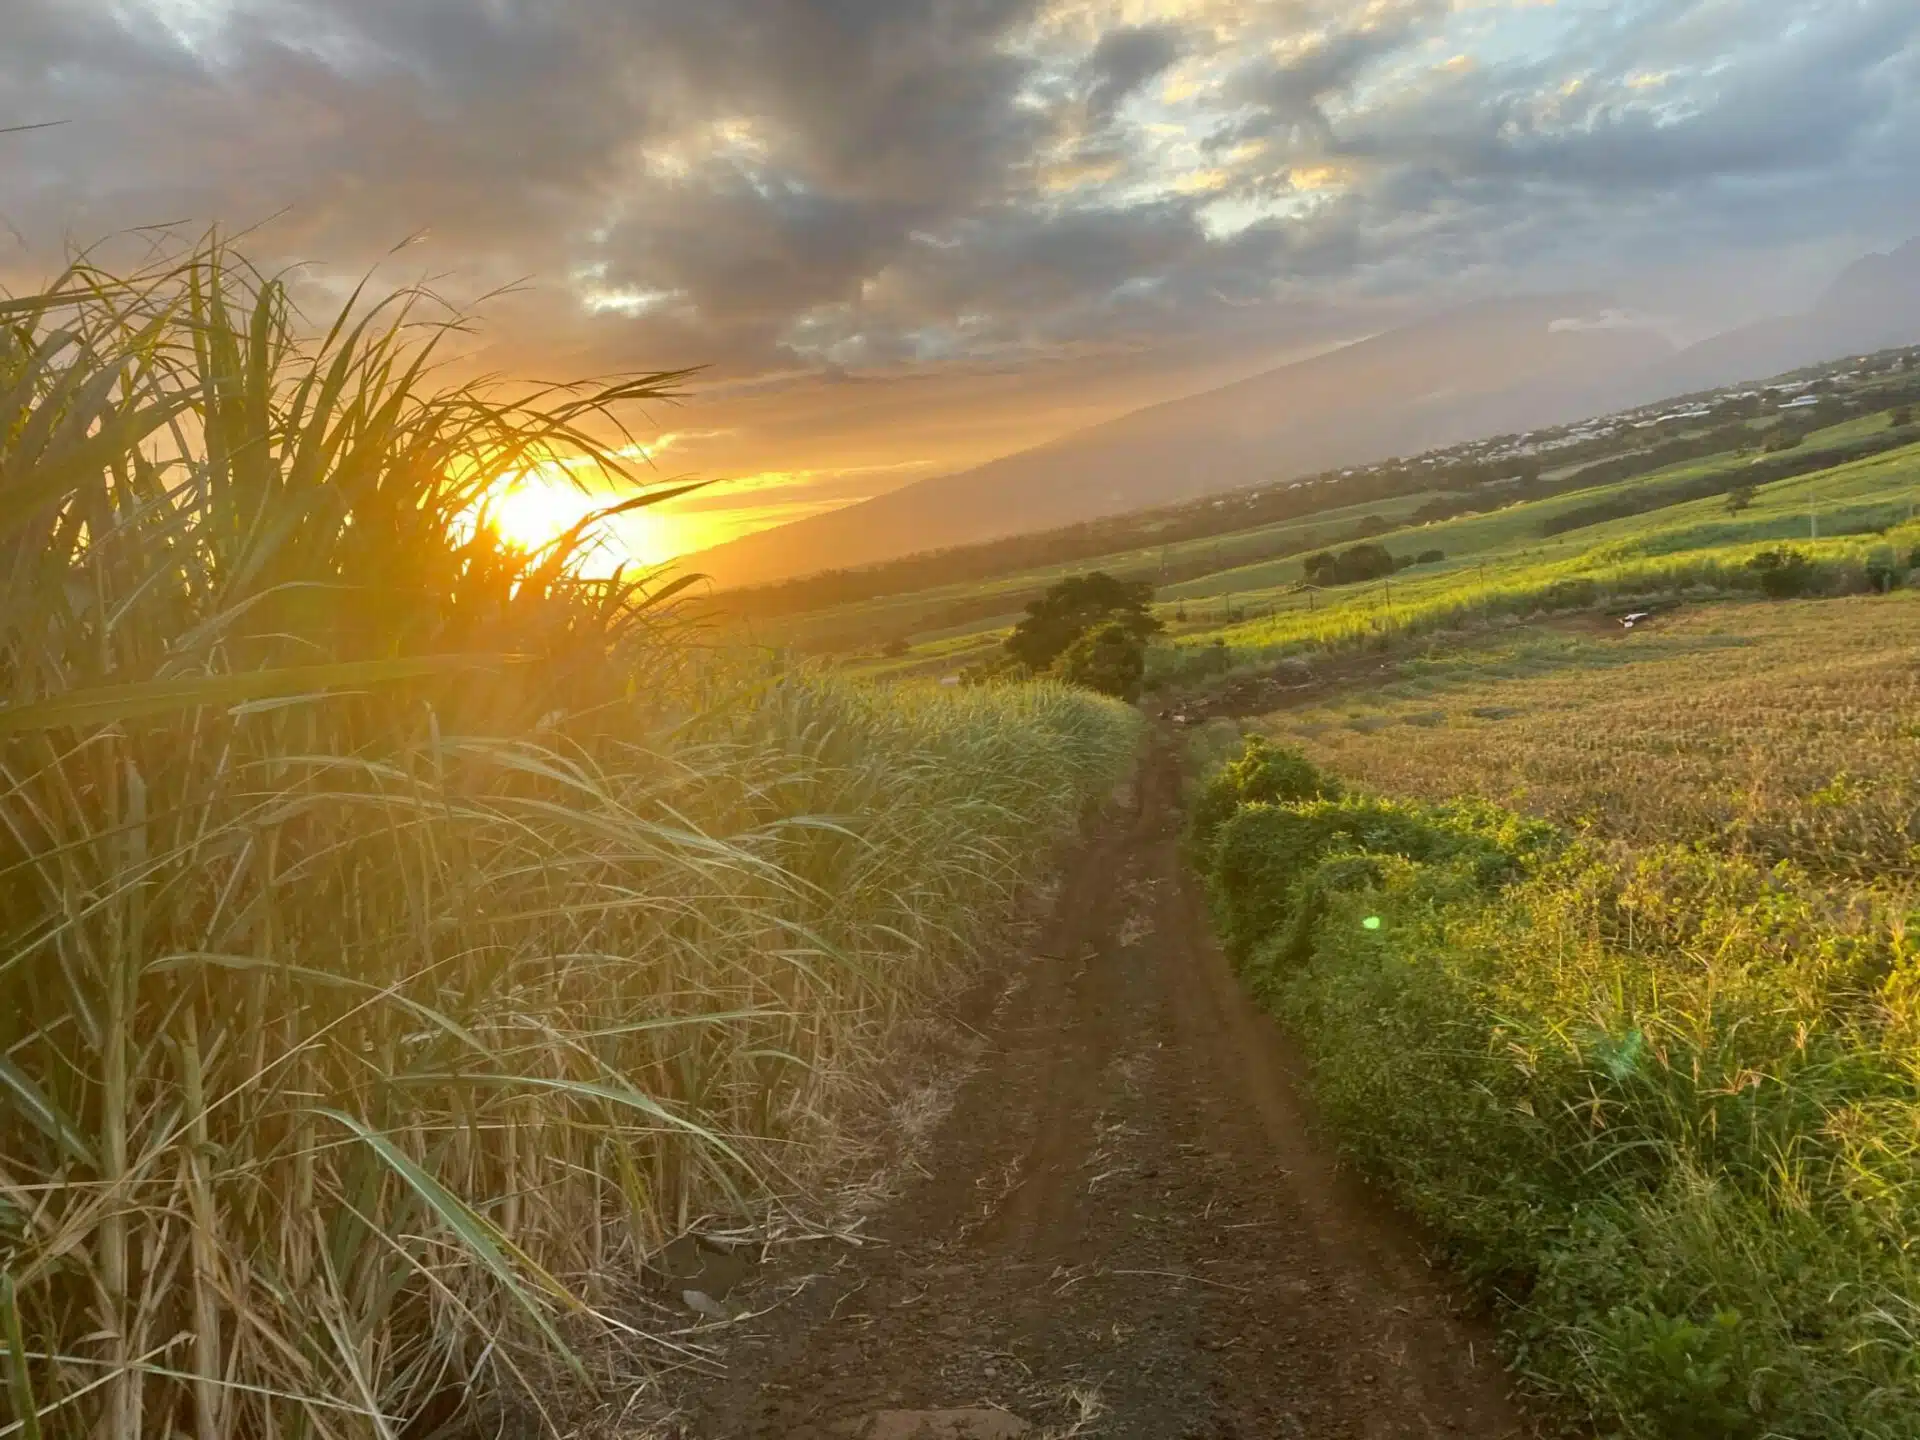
point(1288, 96)
point(1125, 59)
point(831, 188)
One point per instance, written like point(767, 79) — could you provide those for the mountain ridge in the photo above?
point(1872, 304)
point(1495, 367)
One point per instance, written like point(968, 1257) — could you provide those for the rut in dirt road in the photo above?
point(1127, 1230)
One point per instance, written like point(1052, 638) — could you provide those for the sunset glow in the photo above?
point(608, 600)
point(531, 512)
point(927, 234)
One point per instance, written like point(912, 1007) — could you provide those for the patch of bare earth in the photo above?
point(1121, 1228)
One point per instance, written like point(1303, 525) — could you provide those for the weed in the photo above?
point(1263, 773)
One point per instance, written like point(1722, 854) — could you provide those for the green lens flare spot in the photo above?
point(1372, 922)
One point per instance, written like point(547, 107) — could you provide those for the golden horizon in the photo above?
point(531, 511)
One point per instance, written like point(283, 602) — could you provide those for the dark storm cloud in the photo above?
point(1038, 263)
point(765, 183)
point(1288, 97)
point(906, 100)
point(518, 134)
point(1123, 61)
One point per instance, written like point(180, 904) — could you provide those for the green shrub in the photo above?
point(1883, 571)
point(1357, 563)
point(1072, 607)
point(1263, 773)
point(1269, 861)
point(1110, 658)
point(1784, 573)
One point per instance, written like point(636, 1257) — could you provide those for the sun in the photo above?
point(531, 511)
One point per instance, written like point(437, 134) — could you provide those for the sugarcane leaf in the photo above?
point(109, 704)
point(480, 1239)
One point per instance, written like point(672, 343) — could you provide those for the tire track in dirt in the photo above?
point(1127, 1228)
point(1040, 1207)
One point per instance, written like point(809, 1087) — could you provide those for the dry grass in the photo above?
point(1789, 730)
point(401, 935)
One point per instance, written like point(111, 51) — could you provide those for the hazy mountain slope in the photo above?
point(1491, 368)
point(1873, 305)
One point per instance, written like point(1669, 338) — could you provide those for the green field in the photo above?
point(1500, 563)
point(925, 616)
point(1603, 960)
point(405, 935)
point(1846, 517)
point(1600, 942)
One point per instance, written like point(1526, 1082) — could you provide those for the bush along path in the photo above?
point(1660, 1104)
point(1122, 1226)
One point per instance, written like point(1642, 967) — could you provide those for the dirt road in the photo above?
point(1127, 1229)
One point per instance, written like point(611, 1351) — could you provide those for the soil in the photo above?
point(1278, 688)
point(1126, 1226)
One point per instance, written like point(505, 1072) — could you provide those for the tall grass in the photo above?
point(402, 934)
point(1661, 1105)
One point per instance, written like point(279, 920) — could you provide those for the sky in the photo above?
point(905, 236)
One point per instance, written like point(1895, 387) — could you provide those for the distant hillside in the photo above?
point(1487, 369)
point(1873, 305)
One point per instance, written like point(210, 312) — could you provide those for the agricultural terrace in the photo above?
point(1844, 496)
point(1846, 518)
